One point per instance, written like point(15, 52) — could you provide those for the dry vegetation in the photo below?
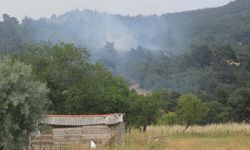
point(213, 137)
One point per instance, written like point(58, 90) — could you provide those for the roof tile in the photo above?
point(83, 120)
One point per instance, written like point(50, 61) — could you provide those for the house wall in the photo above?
point(44, 142)
point(100, 134)
point(119, 131)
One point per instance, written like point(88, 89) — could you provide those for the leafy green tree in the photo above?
point(170, 118)
point(222, 94)
point(218, 113)
point(224, 53)
point(171, 101)
point(240, 103)
point(104, 94)
point(223, 71)
point(62, 66)
point(202, 55)
point(191, 109)
point(11, 35)
point(109, 56)
point(76, 86)
point(245, 60)
point(145, 110)
point(133, 116)
point(23, 101)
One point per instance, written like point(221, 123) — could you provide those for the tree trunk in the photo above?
point(188, 124)
point(29, 142)
point(144, 128)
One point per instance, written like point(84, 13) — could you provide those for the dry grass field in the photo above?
point(212, 137)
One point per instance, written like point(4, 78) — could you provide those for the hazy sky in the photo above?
point(41, 8)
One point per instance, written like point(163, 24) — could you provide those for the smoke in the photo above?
point(133, 42)
point(118, 33)
point(93, 29)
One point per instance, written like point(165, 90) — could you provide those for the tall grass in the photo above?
point(230, 129)
point(209, 137)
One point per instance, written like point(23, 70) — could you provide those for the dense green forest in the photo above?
point(194, 65)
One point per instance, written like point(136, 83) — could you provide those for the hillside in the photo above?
point(145, 49)
point(228, 25)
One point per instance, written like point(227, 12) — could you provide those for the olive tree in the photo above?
point(22, 102)
point(191, 109)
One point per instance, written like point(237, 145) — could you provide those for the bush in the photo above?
point(169, 118)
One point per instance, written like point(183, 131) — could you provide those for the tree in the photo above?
point(224, 53)
point(240, 103)
point(11, 35)
point(62, 66)
point(109, 56)
point(223, 71)
point(222, 93)
point(202, 55)
point(170, 118)
point(191, 109)
point(103, 93)
point(218, 113)
point(171, 101)
point(23, 101)
point(76, 86)
point(145, 110)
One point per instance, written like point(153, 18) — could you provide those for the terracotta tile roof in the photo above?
point(83, 120)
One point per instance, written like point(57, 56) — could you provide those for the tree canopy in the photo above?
point(23, 102)
point(191, 109)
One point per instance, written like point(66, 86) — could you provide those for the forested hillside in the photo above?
point(177, 51)
point(174, 51)
point(172, 32)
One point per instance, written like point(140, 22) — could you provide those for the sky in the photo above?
point(46, 8)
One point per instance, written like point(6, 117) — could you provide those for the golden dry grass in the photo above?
point(212, 137)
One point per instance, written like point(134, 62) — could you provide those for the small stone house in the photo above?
point(104, 129)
